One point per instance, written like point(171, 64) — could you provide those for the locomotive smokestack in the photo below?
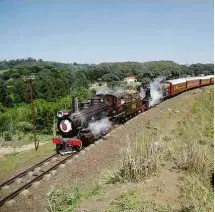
point(75, 104)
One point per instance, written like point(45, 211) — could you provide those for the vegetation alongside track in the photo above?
point(173, 174)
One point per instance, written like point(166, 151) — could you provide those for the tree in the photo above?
point(21, 91)
point(80, 81)
point(5, 99)
point(110, 77)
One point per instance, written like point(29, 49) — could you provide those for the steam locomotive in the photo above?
point(76, 126)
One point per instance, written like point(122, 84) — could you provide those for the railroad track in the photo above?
point(24, 173)
point(37, 177)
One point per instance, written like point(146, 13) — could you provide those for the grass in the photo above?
point(21, 139)
point(132, 201)
point(69, 198)
point(13, 161)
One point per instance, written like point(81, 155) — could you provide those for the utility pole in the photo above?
point(30, 80)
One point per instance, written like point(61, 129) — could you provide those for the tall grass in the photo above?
point(193, 158)
point(140, 159)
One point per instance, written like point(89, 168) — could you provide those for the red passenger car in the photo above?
point(193, 83)
point(176, 86)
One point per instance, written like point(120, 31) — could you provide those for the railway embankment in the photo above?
point(159, 161)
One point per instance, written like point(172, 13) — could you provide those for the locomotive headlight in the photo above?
point(60, 114)
point(65, 126)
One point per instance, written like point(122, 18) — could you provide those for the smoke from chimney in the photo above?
point(156, 91)
point(100, 126)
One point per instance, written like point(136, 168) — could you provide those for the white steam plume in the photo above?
point(156, 91)
point(109, 90)
point(100, 126)
point(118, 89)
point(103, 91)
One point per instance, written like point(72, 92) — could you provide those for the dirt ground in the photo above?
point(88, 168)
point(8, 150)
point(163, 188)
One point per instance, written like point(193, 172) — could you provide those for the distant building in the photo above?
point(130, 79)
point(98, 83)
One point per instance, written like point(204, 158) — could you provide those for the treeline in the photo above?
point(55, 83)
point(55, 80)
point(107, 71)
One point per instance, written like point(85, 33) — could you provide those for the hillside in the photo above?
point(179, 134)
point(179, 168)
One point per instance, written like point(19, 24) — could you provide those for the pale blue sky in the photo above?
point(141, 31)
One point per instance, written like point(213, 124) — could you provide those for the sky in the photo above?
point(112, 31)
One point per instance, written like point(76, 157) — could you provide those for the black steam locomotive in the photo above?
point(75, 127)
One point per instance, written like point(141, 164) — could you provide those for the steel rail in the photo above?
point(27, 185)
point(11, 180)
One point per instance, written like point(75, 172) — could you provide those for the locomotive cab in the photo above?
point(115, 100)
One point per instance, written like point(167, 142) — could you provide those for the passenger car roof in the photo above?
point(177, 81)
point(182, 80)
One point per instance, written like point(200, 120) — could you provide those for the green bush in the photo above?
point(24, 126)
